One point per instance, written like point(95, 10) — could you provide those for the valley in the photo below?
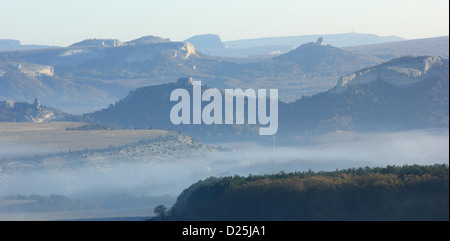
point(97, 142)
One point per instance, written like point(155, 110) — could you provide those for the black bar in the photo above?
point(273, 230)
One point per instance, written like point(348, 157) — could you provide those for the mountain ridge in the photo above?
point(16, 45)
point(80, 79)
point(103, 73)
point(372, 106)
point(437, 46)
point(211, 44)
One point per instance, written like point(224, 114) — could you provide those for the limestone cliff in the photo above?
point(399, 72)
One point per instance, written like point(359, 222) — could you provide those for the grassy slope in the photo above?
point(54, 136)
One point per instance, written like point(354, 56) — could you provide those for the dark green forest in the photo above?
point(409, 192)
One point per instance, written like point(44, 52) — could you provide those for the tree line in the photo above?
point(410, 192)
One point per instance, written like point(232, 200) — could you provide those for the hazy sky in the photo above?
point(63, 22)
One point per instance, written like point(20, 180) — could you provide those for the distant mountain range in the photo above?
point(91, 74)
point(384, 48)
point(12, 45)
point(401, 94)
point(211, 44)
point(338, 40)
point(420, 47)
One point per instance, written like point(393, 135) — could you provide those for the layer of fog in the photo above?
point(336, 151)
point(16, 150)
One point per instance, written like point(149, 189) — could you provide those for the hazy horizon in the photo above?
point(59, 23)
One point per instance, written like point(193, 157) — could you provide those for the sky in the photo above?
point(64, 22)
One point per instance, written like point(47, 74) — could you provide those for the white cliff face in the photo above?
point(30, 69)
point(187, 50)
point(35, 70)
point(174, 50)
point(399, 72)
point(73, 52)
point(9, 104)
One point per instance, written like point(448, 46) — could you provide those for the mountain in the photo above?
point(22, 82)
point(306, 70)
point(385, 48)
point(338, 40)
point(207, 42)
point(211, 44)
point(98, 43)
point(100, 58)
point(325, 60)
point(12, 45)
point(149, 107)
point(150, 39)
point(115, 42)
point(93, 73)
point(11, 111)
point(401, 94)
point(420, 47)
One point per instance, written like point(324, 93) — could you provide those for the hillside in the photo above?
point(69, 146)
point(11, 111)
point(405, 93)
point(309, 69)
point(93, 73)
point(325, 60)
point(431, 46)
point(68, 136)
point(207, 43)
point(390, 193)
point(23, 82)
point(150, 107)
point(402, 94)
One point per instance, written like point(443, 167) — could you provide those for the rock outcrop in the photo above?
point(148, 40)
point(399, 72)
point(35, 70)
point(98, 43)
point(320, 41)
point(11, 111)
point(29, 69)
point(187, 50)
point(206, 42)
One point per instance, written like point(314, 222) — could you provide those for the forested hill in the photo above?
point(402, 94)
point(391, 193)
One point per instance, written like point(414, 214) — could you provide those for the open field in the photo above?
point(114, 215)
point(49, 137)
